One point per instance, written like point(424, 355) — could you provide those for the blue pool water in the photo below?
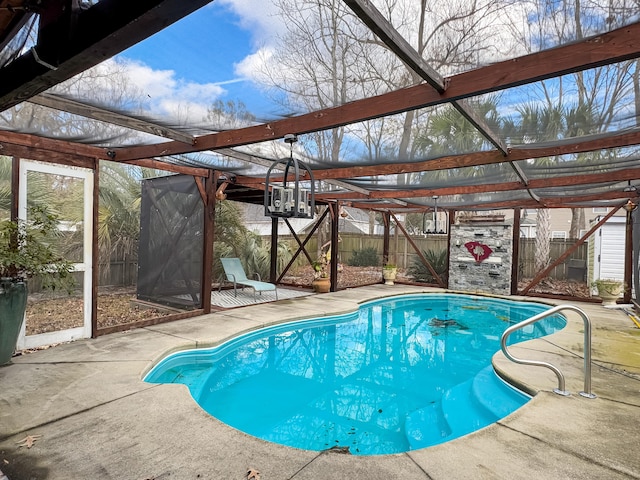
point(400, 374)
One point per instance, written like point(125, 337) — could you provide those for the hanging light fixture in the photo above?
point(289, 199)
point(630, 188)
point(630, 206)
point(431, 226)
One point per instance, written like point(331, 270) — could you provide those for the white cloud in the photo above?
point(169, 94)
point(184, 110)
point(199, 92)
point(153, 83)
point(256, 16)
point(252, 65)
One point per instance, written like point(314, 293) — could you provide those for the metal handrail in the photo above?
point(587, 349)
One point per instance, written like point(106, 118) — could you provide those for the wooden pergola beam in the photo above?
point(10, 139)
point(575, 201)
point(99, 32)
point(90, 111)
point(563, 181)
point(558, 181)
point(611, 47)
point(168, 167)
point(596, 142)
point(60, 151)
point(580, 145)
point(19, 151)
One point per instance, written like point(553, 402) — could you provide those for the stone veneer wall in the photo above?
point(493, 275)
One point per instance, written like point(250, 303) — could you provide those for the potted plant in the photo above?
point(321, 280)
point(25, 252)
point(608, 290)
point(389, 272)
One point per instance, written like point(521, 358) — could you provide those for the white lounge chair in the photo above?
point(235, 274)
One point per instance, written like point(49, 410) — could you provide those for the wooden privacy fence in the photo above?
point(574, 267)
point(402, 254)
point(123, 272)
point(119, 273)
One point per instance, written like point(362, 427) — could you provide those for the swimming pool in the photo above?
point(399, 374)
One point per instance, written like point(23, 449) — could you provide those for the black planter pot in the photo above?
point(13, 302)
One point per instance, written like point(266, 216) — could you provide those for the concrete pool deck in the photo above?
point(94, 418)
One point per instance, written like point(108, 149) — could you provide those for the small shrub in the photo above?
point(27, 249)
point(367, 257)
point(438, 261)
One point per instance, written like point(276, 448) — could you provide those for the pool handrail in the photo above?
point(587, 349)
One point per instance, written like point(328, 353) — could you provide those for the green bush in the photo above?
point(367, 257)
point(27, 249)
point(438, 261)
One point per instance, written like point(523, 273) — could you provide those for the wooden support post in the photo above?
point(333, 263)
point(385, 239)
point(209, 236)
point(95, 254)
point(628, 256)
point(273, 265)
point(15, 184)
point(451, 218)
point(515, 251)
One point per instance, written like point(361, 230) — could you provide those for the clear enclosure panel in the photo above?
point(53, 310)
point(118, 236)
point(545, 236)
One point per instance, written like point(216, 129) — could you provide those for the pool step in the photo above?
point(494, 395)
point(464, 408)
point(426, 426)
point(463, 412)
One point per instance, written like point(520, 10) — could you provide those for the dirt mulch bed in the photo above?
point(347, 276)
point(48, 313)
point(557, 287)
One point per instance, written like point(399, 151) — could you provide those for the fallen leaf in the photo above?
point(28, 441)
point(253, 474)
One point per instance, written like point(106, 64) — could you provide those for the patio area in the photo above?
point(92, 416)
point(245, 297)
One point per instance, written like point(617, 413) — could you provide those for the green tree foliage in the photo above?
point(233, 239)
point(28, 249)
point(119, 209)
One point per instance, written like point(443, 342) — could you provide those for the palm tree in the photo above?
point(448, 132)
point(540, 123)
point(119, 211)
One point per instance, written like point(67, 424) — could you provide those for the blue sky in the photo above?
point(180, 46)
point(196, 58)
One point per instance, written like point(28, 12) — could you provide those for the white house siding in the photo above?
point(609, 249)
point(560, 220)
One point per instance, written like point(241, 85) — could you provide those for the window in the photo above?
point(559, 234)
point(527, 231)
